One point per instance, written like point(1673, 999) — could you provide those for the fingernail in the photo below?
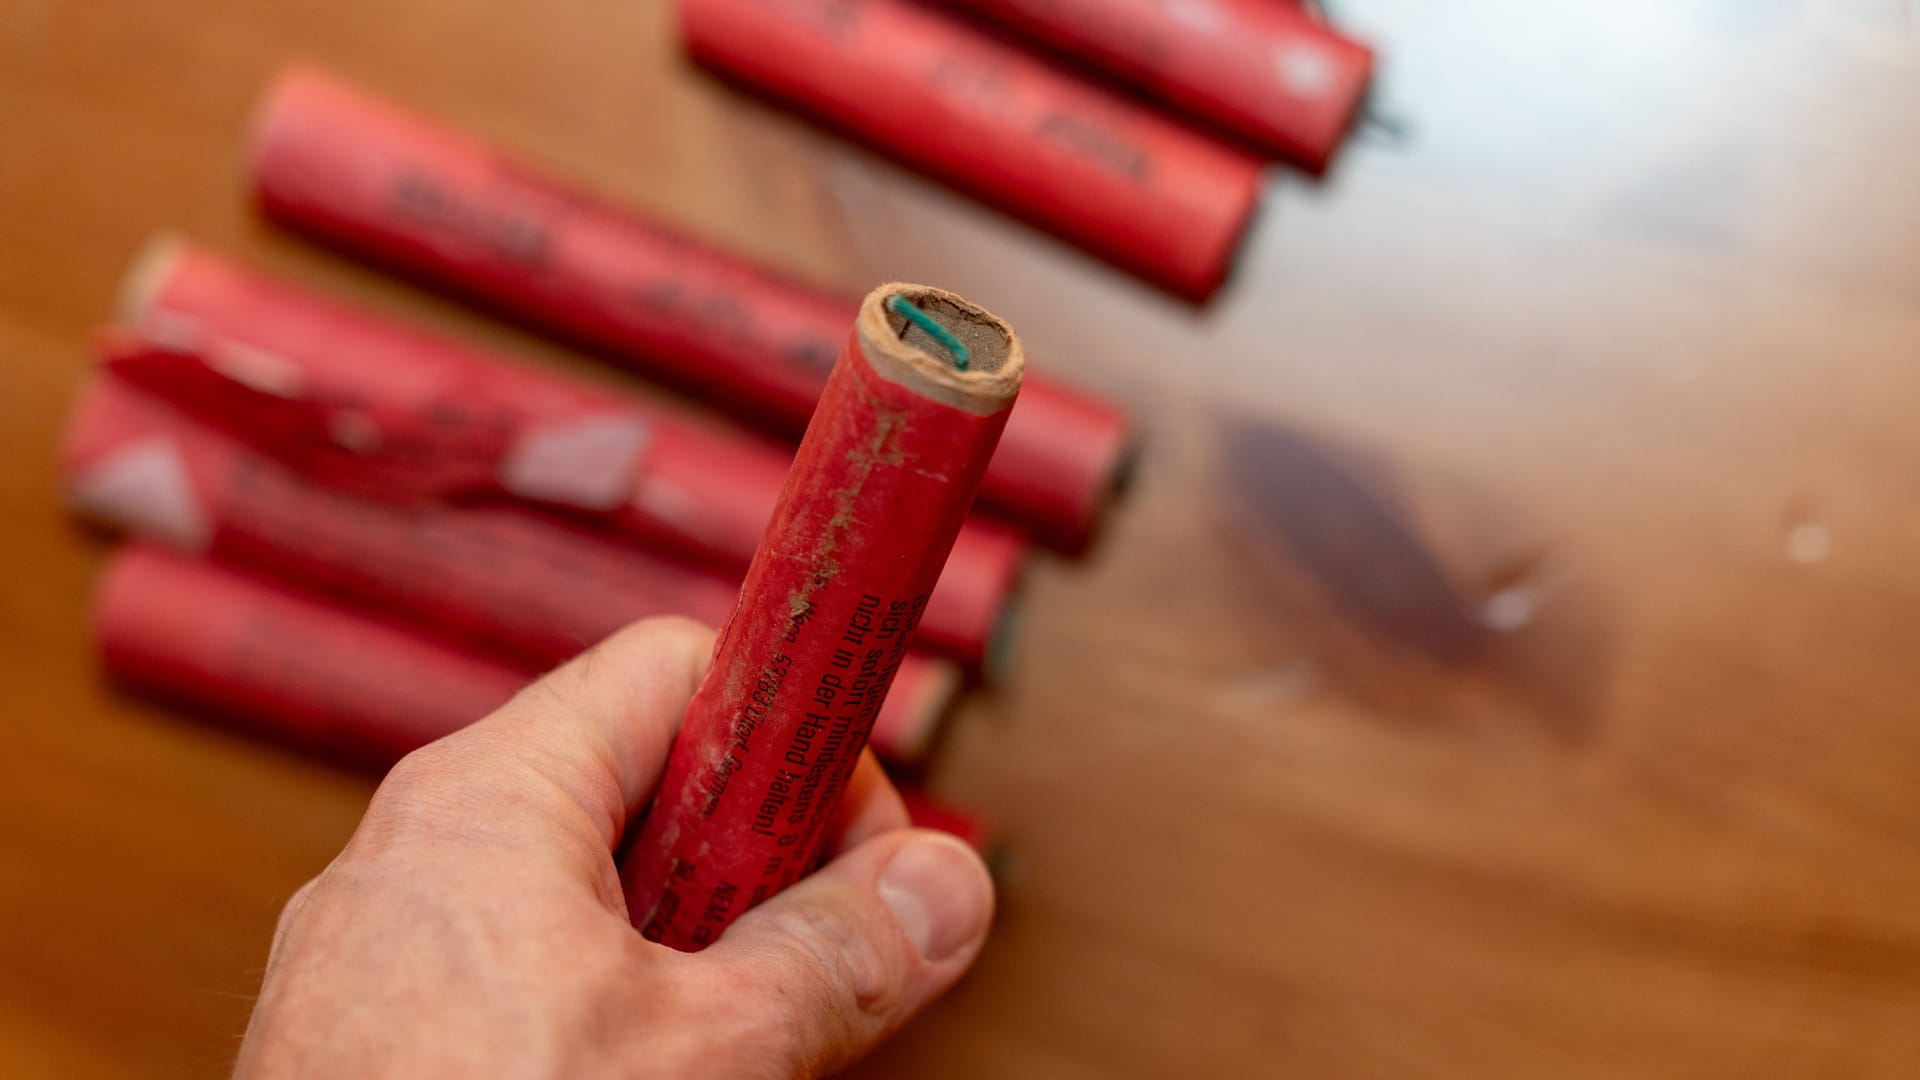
point(941, 894)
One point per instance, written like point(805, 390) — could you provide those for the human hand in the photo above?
point(475, 924)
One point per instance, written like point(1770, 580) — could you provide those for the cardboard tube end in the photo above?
point(152, 265)
point(286, 84)
point(1122, 471)
point(902, 353)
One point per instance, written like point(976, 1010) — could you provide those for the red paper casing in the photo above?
point(350, 399)
point(1162, 200)
point(285, 663)
point(321, 674)
point(366, 176)
point(1157, 198)
point(500, 580)
point(876, 495)
point(1262, 70)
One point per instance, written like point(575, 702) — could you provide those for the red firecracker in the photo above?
point(1264, 70)
point(877, 493)
point(352, 400)
point(501, 580)
point(368, 177)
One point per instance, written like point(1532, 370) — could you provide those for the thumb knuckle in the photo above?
point(291, 912)
point(840, 985)
point(866, 977)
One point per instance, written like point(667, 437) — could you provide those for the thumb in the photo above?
point(849, 954)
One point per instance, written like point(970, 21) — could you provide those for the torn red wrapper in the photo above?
point(351, 400)
point(498, 580)
point(373, 179)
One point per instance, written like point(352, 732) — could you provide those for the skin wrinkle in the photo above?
point(838, 954)
point(612, 809)
point(601, 802)
point(810, 995)
point(590, 850)
point(833, 935)
point(440, 810)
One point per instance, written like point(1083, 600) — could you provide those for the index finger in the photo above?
point(585, 745)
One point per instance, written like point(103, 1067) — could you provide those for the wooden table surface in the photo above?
point(1508, 664)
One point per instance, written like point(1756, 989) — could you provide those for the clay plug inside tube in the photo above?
point(942, 347)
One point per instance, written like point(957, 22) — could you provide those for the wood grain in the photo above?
point(1505, 665)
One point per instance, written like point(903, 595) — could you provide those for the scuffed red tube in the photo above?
point(1120, 180)
point(500, 580)
point(284, 663)
point(1264, 70)
point(366, 176)
point(500, 577)
point(353, 400)
point(321, 674)
point(876, 495)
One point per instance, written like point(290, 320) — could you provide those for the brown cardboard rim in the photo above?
point(988, 386)
point(151, 267)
